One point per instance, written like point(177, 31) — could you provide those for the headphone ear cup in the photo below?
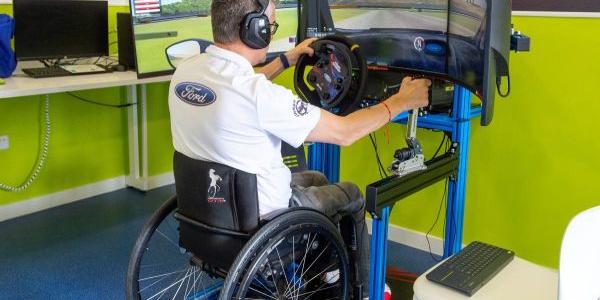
point(257, 33)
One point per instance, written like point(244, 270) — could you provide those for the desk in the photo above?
point(519, 280)
point(20, 85)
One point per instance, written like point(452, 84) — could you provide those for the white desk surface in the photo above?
point(519, 280)
point(20, 85)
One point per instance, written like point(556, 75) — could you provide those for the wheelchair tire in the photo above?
point(267, 269)
point(159, 268)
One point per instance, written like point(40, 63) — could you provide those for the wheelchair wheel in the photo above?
point(160, 269)
point(299, 255)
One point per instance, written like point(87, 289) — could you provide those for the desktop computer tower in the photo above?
point(126, 42)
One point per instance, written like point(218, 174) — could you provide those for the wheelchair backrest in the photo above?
point(216, 195)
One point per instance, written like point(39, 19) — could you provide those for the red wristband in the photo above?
point(388, 109)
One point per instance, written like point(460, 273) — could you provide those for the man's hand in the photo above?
point(413, 94)
point(303, 48)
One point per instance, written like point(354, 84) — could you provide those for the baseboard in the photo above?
point(161, 180)
point(33, 205)
point(37, 204)
point(412, 238)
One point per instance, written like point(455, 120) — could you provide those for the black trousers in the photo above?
point(312, 189)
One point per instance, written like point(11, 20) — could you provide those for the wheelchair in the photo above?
point(205, 245)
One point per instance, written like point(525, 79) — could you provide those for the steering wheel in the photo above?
point(337, 78)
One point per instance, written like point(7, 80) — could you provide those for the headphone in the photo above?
point(255, 30)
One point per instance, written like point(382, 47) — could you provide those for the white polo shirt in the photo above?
point(223, 112)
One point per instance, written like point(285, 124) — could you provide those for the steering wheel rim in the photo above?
point(353, 84)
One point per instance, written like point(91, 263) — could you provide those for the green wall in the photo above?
point(536, 166)
point(529, 172)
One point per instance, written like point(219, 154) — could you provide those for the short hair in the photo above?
point(227, 17)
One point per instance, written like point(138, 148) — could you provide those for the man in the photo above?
point(241, 118)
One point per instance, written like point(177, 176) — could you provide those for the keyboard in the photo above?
point(46, 72)
point(59, 71)
point(472, 268)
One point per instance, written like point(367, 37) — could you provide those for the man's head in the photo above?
point(227, 19)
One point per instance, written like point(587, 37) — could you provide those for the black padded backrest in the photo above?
point(216, 195)
point(217, 207)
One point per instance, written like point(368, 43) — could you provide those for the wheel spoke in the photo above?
point(168, 238)
point(261, 293)
point(157, 282)
point(165, 289)
point(316, 259)
point(273, 276)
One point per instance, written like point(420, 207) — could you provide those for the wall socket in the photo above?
point(4, 145)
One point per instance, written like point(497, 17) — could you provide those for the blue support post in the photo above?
point(325, 158)
point(379, 242)
point(457, 186)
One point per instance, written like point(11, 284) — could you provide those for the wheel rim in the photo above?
point(303, 262)
point(166, 271)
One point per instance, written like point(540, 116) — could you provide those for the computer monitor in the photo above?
point(157, 24)
point(52, 29)
point(465, 41)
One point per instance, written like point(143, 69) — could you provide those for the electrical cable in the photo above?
point(437, 217)
point(98, 103)
point(444, 200)
point(440, 147)
point(499, 83)
point(42, 154)
point(382, 172)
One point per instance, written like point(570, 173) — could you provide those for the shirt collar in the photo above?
point(231, 57)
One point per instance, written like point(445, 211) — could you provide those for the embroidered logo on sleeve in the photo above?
point(301, 108)
point(195, 94)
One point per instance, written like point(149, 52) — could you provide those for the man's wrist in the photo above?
point(396, 104)
point(285, 61)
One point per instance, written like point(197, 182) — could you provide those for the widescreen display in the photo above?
point(157, 24)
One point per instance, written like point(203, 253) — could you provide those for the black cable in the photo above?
point(440, 147)
point(437, 217)
point(101, 104)
point(374, 144)
point(382, 173)
point(499, 83)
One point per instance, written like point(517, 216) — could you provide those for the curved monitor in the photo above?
point(465, 41)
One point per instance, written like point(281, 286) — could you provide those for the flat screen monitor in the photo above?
point(157, 24)
point(465, 41)
point(48, 29)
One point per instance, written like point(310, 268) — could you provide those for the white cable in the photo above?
point(42, 154)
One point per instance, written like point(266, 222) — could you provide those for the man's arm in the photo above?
point(344, 131)
point(275, 68)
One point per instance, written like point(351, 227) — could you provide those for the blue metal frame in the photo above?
point(326, 158)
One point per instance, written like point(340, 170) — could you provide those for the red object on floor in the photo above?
point(387, 295)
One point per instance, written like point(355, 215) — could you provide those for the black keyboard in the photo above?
point(472, 268)
point(46, 72)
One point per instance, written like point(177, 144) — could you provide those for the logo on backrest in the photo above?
point(195, 94)
point(214, 187)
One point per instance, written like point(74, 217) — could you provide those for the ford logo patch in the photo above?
point(195, 94)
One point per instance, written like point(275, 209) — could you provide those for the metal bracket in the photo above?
point(387, 192)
